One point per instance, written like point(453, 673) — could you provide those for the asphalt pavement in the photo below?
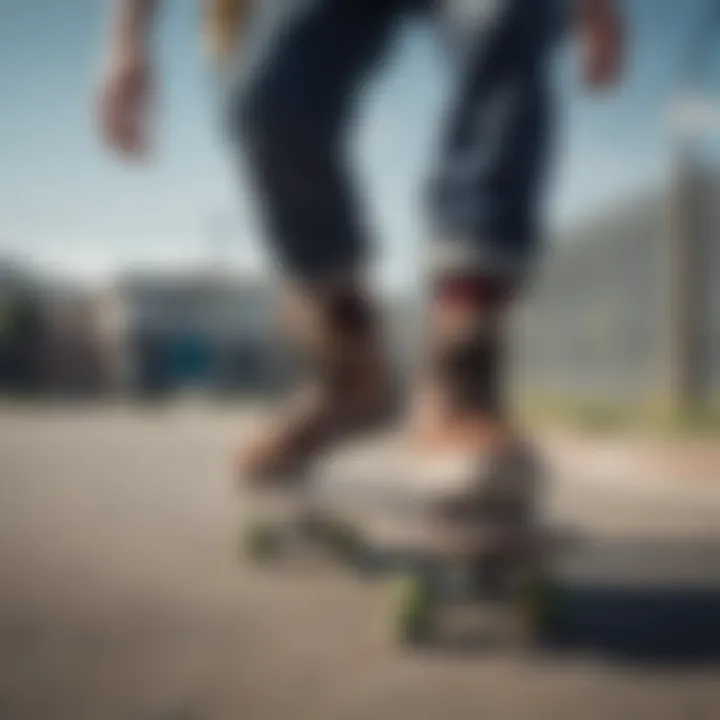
point(122, 595)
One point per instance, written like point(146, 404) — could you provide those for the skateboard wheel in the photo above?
point(411, 607)
point(540, 605)
point(260, 541)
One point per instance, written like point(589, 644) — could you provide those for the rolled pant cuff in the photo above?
point(457, 255)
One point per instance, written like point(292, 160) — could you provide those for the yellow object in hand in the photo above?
point(222, 21)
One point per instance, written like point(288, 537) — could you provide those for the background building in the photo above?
point(203, 329)
point(20, 329)
point(626, 307)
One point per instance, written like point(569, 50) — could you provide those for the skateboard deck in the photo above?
point(409, 534)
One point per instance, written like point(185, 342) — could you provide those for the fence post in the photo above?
point(685, 391)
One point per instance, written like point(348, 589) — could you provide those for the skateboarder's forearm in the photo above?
point(125, 90)
point(131, 26)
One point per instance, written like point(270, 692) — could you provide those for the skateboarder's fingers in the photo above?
point(122, 112)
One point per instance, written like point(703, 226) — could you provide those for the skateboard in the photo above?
point(431, 551)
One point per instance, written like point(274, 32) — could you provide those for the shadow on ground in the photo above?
point(632, 600)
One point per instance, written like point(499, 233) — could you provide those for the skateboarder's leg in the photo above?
point(485, 192)
point(484, 202)
point(291, 116)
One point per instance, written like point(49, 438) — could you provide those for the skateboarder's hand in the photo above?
point(124, 104)
point(601, 40)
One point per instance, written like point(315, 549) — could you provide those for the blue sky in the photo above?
point(66, 202)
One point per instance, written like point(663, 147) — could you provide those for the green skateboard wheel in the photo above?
point(540, 605)
point(260, 541)
point(412, 607)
